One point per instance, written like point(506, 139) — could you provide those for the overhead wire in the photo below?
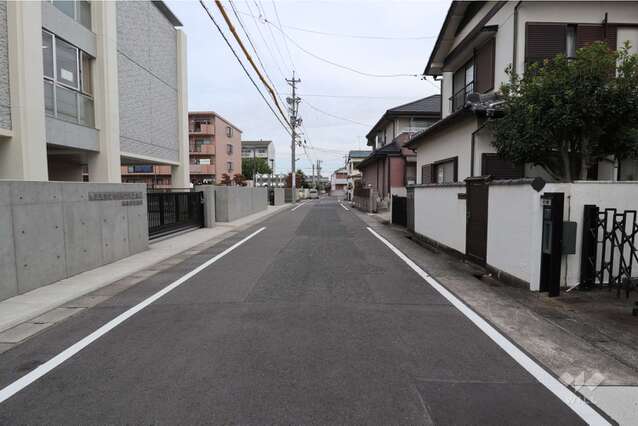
point(270, 51)
point(220, 6)
point(285, 123)
point(274, 5)
point(337, 116)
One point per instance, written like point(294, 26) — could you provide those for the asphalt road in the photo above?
point(311, 321)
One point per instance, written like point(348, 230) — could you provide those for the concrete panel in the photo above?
point(137, 228)
point(82, 236)
point(279, 196)
point(63, 133)
point(25, 192)
point(8, 278)
point(39, 244)
point(114, 223)
point(209, 204)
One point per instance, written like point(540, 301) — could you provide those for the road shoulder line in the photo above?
point(566, 395)
point(54, 362)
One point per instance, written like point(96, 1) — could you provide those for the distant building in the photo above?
point(391, 166)
point(275, 180)
point(213, 149)
point(259, 149)
point(339, 180)
point(354, 175)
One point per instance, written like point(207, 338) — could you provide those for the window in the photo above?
point(204, 161)
point(546, 40)
point(229, 149)
point(143, 168)
point(443, 171)
point(78, 10)
point(229, 131)
point(462, 85)
point(68, 81)
point(484, 67)
point(229, 166)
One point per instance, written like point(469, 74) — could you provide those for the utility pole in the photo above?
point(314, 185)
point(254, 168)
point(293, 104)
point(272, 170)
point(318, 173)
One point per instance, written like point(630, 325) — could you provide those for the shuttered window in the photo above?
point(484, 66)
point(544, 41)
point(587, 34)
point(499, 168)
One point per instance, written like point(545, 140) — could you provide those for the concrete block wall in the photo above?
point(279, 196)
point(235, 202)
point(53, 230)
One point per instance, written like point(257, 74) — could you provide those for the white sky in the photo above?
point(217, 82)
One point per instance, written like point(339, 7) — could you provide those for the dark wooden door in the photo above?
point(476, 228)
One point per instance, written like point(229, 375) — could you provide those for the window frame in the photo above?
point(78, 91)
point(76, 12)
point(229, 149)
point(229, 131)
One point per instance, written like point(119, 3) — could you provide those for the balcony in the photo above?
point(202, 149)
point(202, 169)
point(201, 129)
point(457, 101)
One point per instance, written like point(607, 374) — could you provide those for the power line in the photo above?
point(235, 12)
point(284, 124)
point(369, 37)
point(250, 59)
point(328, 61)
point(274, 5)
point(336, 116)
point(270, 52)
point(262, 15)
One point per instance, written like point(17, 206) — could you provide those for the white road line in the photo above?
point(573, 401)
point(43, 369)
point(347, 209)
point(301, 204)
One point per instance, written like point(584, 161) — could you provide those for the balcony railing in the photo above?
point(203, 149)
point(204, 129)
point(457, 101)
point(204, 169)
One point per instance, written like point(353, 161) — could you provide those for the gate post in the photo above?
point(589, 246)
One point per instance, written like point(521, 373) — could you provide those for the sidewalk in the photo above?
point(24, 315)
point(587, 339)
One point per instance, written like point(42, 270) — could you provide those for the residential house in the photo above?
point(476, 44)
point(514, 227)
point(391, 166)
point(88, 86)
point(259, 149)
point(339, 181)
point(354, 174)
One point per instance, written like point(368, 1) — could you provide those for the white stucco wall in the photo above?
point(515, 219)
point(440, 215)
point(451, 142)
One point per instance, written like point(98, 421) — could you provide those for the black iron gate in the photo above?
point(399, 210)
point(170, 212)
point(609, 250)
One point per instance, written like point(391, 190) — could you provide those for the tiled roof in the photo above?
point(431, 104)
point(359, 154)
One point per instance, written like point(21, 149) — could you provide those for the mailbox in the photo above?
point(552, 242)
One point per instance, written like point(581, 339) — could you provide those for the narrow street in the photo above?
point(313, 320)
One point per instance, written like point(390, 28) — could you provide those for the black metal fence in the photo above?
point(170, 212)
point(399, 210)
point(609, 251)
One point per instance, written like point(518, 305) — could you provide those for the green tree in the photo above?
point(260, 165)
point(567, 114)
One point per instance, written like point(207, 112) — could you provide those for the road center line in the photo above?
point(347, 209)
point(43, 369)
point(301, 204)
point(569, 398)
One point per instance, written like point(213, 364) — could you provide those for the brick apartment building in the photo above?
point(214, 149)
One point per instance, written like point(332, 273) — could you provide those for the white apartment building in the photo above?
point(259, 149)
point(91, 85)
